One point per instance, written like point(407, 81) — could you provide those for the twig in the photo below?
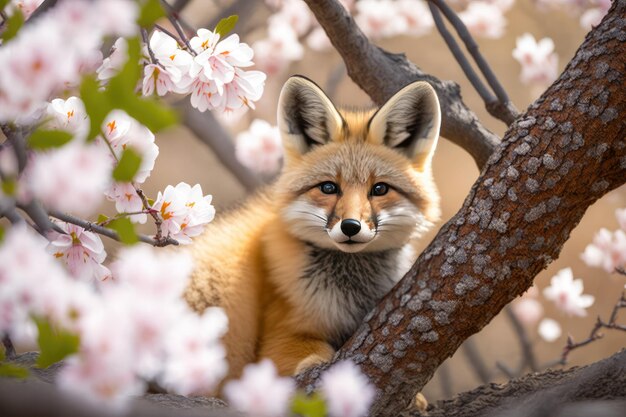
point(43, 7)
point(158, 221)
point(9, 349)
point(179, 5)
point(471, 75)
point(175, 20)
point(528, 355)
point(595, 331)
point(502, 108)
point(334, 78)
point(506, 370)
point(15, 135)
point(39, 217)
point(476, 361)
point(94, 227)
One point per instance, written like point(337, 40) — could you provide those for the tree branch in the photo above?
point(502, 108)
point(212, 133)
point(558, 158)
point(381, 74)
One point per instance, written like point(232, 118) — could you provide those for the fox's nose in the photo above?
point(350, 227)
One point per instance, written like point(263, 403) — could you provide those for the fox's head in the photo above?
point(358, 181)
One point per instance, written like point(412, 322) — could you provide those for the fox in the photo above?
point(298, 266)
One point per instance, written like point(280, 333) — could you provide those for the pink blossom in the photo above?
point(538, 60)
point(112, 64)
point(126, 200)
point(379, 18)
point(608, 250)
point(184, 210)
point(484, 19)
point(259, 148)
point(122, 131)
point(621, 218)
point(281, 47)
point(27, 7)
point(528, 310)
point(592, 17)
point(549, 330)
point(116, 17)
point(81, 251)
point(260, 392)
point(294, 13)
point(71, 178)
point(567, 293)
point(417, 16)
point(347, 391)
point(68, 115)
point(171, 72)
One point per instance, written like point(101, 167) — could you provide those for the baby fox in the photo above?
point(299, 265)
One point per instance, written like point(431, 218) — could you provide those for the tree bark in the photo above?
point(564, 153)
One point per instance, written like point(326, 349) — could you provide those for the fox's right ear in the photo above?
point(306, 116)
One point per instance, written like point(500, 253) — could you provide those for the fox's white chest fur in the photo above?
point(340, 288)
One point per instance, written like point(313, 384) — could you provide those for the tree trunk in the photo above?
point(555, 160)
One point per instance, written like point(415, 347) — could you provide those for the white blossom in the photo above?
point(379, 18)
point(484, 19)
point(608, 250)
point(347, 391)
point(112, 64)
point(259, 148)
point(567, 293)
point(538, 60)
point(549, 330)
point(68, 115)
point(260, 392)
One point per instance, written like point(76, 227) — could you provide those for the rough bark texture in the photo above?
point(565, 152)
point(381, 74)
point(571, 393)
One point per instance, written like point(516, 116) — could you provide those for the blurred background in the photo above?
point(184, 158)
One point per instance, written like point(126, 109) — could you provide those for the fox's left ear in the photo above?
point(409, 122)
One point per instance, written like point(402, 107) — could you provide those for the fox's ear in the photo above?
point(409, 122)
point(306, 116)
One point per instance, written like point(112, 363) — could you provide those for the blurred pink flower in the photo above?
point(484, 19)
point(259, 148)
point(280, 48)
point(347, 391)
point(260, 392)
point(538, 60)
point(528, 310)
point(379, 18)
point(126, 200)
point(567, 293)
point(549, 330)
point(608, 250)
point(112, 64)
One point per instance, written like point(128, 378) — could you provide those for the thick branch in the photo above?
point(564, 153)
point(381, 74)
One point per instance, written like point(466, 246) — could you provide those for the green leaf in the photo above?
point(13, 25)
point(128, 166)
point(308, 406)
point(150, 113)
point(125, 229)
point(97, 104)
point(225, 25)
point(150, 12)
point(3, 354)
point(3, 4)
point(12, 370)
point(9, 186)
point(102, 218)
point(55, 343)
point(46, 139)
point(2, 231)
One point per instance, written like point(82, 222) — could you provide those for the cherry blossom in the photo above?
point(122, 131)
point(549, 330)
point(184, 210)
point(621, 218)
point(260, 391)
point(112, 64)
point(608, 250)
point(484, 19)
point(170, 72)
point(347, 391)
point(379, 18)
point(528, 309)
point(71, 178)
point(294, 13)
point(68, 115)
point(259, 148)
point(538, 60)
point(81, 251)
point(127, 200)
point(279, 49)
point(27, 7)
point(567, 293)
point(416, 15)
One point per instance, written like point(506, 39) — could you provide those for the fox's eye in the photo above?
point(329, 187)
point(380, 189)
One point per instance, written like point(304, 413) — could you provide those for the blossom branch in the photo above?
point(158, 221)
point(595, 331)
point(528, 354)
point(502, 108)
point(381, 74)
point(9, 349)
point(94, 227)
point(174, 18)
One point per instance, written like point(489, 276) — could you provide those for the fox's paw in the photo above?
point(310, 361)
point(420, 402)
